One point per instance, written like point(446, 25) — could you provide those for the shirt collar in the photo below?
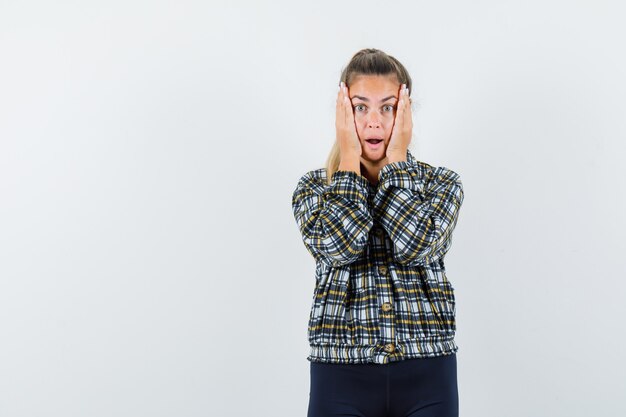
point(411, 159)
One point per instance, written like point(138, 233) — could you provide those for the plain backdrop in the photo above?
point(150, 264)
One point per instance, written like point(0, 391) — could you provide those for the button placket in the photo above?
point(387, 329)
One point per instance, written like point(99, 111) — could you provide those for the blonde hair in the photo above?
point(367, 61)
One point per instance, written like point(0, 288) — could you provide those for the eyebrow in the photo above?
point(367, 99)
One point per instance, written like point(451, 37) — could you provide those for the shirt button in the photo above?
point(389, 347)
point(386, 306)
point(382, 269)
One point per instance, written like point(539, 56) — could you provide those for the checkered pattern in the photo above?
point(381, 292)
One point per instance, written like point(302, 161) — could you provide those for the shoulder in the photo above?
point(445, 174)
point(437, 180)
point(313, 177)
point(432, 173)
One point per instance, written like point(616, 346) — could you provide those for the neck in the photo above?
point(370, 169)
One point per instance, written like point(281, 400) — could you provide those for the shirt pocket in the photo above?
point(445, 301)
point(448, 292)
point(437, 292)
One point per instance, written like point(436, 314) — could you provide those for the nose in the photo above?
point(373, 121)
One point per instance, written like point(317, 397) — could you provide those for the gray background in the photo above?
point(150, 263)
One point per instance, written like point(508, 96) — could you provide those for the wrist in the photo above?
point(350, 163)
point(396, 156)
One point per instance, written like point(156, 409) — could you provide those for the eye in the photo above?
point(390, 107)
point(358, 105)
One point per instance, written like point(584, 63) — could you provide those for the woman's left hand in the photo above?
point(402, 128)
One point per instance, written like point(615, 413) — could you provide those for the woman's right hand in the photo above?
point(347, 138)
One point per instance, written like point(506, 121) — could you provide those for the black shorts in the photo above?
point(421, 387)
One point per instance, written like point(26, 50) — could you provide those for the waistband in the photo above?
point(405, 349)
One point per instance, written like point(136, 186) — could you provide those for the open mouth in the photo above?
point(374, 143)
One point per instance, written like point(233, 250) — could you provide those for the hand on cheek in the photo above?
point(347, 138)
point(402, 128)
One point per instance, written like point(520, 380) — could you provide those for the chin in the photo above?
point(376, 157)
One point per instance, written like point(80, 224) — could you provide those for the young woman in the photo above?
point(378, 223)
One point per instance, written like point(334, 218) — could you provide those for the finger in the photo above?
point(340, 103)
point(347, 106)
point(351, 108)
point(339, 97)
point(340, 106)
point(407, 113)
point(407, 99)
point(403, 106)
point(401, 109)
point(351, 122)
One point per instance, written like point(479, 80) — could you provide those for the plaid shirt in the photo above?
point(381, 292)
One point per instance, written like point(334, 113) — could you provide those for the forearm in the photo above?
point(334, 221)
point(418, 220)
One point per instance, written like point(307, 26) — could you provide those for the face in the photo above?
point(374, 102)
